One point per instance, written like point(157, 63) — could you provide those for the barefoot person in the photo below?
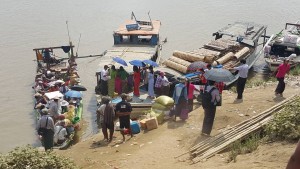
point(282, 70)
point(108, 119)
point(123, 110)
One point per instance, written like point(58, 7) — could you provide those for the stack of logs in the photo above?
point(213, 145)
point(223, 51)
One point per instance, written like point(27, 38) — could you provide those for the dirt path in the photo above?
point(157, 148)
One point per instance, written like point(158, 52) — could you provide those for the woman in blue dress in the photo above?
point(151, 82)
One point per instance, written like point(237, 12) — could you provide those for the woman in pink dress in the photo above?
point(190, 90)
point(136, 81)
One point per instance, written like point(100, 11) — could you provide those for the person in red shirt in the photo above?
point(201, 77)
point(136, 81)
point(220, 86)
point(191, 87)
point(282, 70)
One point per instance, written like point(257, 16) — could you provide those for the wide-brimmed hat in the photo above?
point(64, 103)
point(56, 98)
point(38, 106)
point(37, 94)
point(45, 111)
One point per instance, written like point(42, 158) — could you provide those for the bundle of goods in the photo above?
point(222, 44)
point(242, 53)
point(188, 56)
point(176, 66)
point(210, 59)
point(205, 52)
point(161, 107)
point(290, 39)
point(230, 42)
point(70, 114)
point(179, 61)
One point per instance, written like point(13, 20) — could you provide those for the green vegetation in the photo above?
point(295, 71)
point(255, 83)
point(233, 89)
point(243, 147)
point(285, 124)
point(29, 157)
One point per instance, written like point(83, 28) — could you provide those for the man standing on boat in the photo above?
point(54, 109)
point(45, 128)
point(282, 70)
point(104, 79)
point(241, 82)
point(123, 110)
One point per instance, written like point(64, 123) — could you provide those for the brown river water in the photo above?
point(25, 25)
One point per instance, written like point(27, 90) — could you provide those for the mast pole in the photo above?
point(72, 57)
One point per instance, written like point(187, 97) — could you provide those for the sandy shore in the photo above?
point(157, 148)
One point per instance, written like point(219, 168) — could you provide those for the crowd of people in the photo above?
point(117, 81)
point(57, 115)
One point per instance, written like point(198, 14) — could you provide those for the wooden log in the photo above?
point(175, 66)
point(240, 54)
point(188, 56)
point(179, 61)
point(225, 58)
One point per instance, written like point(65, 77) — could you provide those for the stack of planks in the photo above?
point(222, 44)
point(213, 145)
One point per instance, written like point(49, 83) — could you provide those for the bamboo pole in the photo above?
point(243, 126)
point(235, 128)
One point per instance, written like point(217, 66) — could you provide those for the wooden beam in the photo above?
point(56, 47)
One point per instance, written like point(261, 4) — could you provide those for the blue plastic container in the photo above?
point(131, 27)
point(135, 127)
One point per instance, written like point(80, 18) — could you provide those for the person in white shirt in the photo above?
point(45, 128)
point(241, 82)
point(165, 85)
point(54, 108)
point(104, 79)
point(61, 133)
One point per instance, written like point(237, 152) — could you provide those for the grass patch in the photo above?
point(248, 145)
point(295, 71)
point(233, 89)
point(285, 124)
point(255, 83)
point(29, 157)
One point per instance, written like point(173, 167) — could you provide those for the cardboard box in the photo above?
point(143, 124)
point(151, 123)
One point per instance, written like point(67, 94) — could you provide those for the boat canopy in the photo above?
point(138, 32)
point(245, 30)
point(145, 28)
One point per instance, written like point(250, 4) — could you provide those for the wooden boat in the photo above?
point(231, 44)
point(283, 45)
point(134, 39)
point(60, 70)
